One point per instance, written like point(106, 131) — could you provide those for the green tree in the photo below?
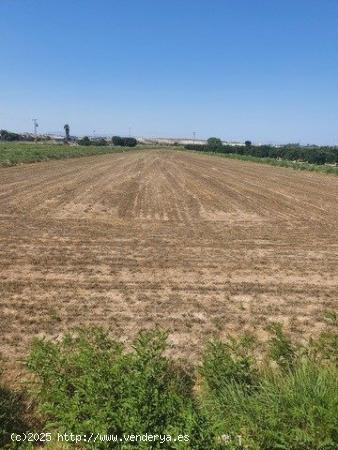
point(124, 141)
point(84, 141)
point(9, 136)
point(117, 140)
point(215, 143)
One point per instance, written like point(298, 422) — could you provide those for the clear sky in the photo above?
point(265, 70)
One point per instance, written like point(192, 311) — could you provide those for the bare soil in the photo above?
point(200, 245)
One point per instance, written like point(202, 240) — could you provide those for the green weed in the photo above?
point(244, 395)
point(12, 153)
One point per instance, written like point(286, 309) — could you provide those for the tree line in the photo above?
point(293, 152)
point(9, 136)
point(116, 140)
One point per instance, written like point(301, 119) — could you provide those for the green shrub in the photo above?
point(229, 362)
point(285, 399)
point(88, 383)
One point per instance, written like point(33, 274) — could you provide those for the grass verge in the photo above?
point(13, 153)
point(274, 162)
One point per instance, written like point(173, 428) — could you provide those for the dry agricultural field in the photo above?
point(200, 245)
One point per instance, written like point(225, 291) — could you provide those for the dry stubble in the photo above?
point(197, 244)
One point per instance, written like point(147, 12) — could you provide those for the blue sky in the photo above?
point(265, 70)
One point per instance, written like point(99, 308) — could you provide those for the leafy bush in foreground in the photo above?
point(88, 383)
point(286, 399)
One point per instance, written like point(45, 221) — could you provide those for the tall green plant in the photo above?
point(293, 405)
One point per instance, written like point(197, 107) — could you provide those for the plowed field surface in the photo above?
point(200, 245)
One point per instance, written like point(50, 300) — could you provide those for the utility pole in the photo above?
point(36, 125)
point(194, 137)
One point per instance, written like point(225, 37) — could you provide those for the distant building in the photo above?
point(234, 143)
point(183, 141)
